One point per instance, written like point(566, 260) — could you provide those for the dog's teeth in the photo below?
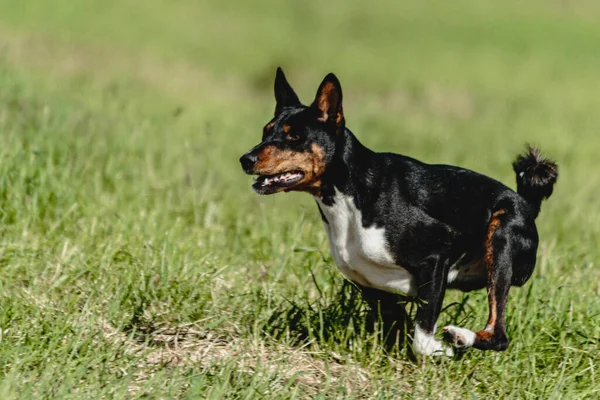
point(282, 178)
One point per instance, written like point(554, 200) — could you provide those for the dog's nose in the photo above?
point(248, 161)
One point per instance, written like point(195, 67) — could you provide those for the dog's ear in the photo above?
point(328, 102)
point(284, 94)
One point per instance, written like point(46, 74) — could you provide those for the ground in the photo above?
point(136, 262)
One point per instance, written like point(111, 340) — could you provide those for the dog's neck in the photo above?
point(349, 170)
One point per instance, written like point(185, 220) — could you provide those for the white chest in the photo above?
point(362, 254)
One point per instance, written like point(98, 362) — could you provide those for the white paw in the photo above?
point(425, 344)
point(459, 337)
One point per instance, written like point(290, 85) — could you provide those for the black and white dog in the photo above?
point(397, 225)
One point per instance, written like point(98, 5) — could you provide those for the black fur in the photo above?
point(435, 216)
point(536, 176)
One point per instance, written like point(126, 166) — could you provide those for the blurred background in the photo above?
point(431, 79)
point(121, 125)
point(447, 82)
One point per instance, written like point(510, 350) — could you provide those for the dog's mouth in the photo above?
point(267, 184)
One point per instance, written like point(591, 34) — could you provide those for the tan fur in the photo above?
point(269, 126)
point(323, 104)
point(489, 264)
point(272, 161)
point(485, 335)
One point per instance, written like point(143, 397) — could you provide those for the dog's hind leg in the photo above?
point(500, 248)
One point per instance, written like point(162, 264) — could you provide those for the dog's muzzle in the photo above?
point(248, 160)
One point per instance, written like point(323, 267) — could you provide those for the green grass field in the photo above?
point(136, 262)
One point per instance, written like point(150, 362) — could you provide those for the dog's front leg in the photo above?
point(432, 286)
point(389, 309)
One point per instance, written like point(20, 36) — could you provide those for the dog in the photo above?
point(399, 226)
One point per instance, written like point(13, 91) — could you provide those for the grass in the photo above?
point(137, 263)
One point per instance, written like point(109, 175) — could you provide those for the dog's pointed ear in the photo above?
point(328, 102)
point(284, 94)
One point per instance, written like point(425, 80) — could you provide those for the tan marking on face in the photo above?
point(286, 128)
point(490, 265)
point(272, 161)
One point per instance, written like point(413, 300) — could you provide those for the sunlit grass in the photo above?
point(136, 261)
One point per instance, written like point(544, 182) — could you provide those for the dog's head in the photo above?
point(299, 142)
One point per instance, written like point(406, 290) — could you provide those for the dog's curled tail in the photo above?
point(536, 177)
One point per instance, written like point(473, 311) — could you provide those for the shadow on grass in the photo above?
point(345, 318)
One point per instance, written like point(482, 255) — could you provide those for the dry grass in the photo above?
point(189, 346)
